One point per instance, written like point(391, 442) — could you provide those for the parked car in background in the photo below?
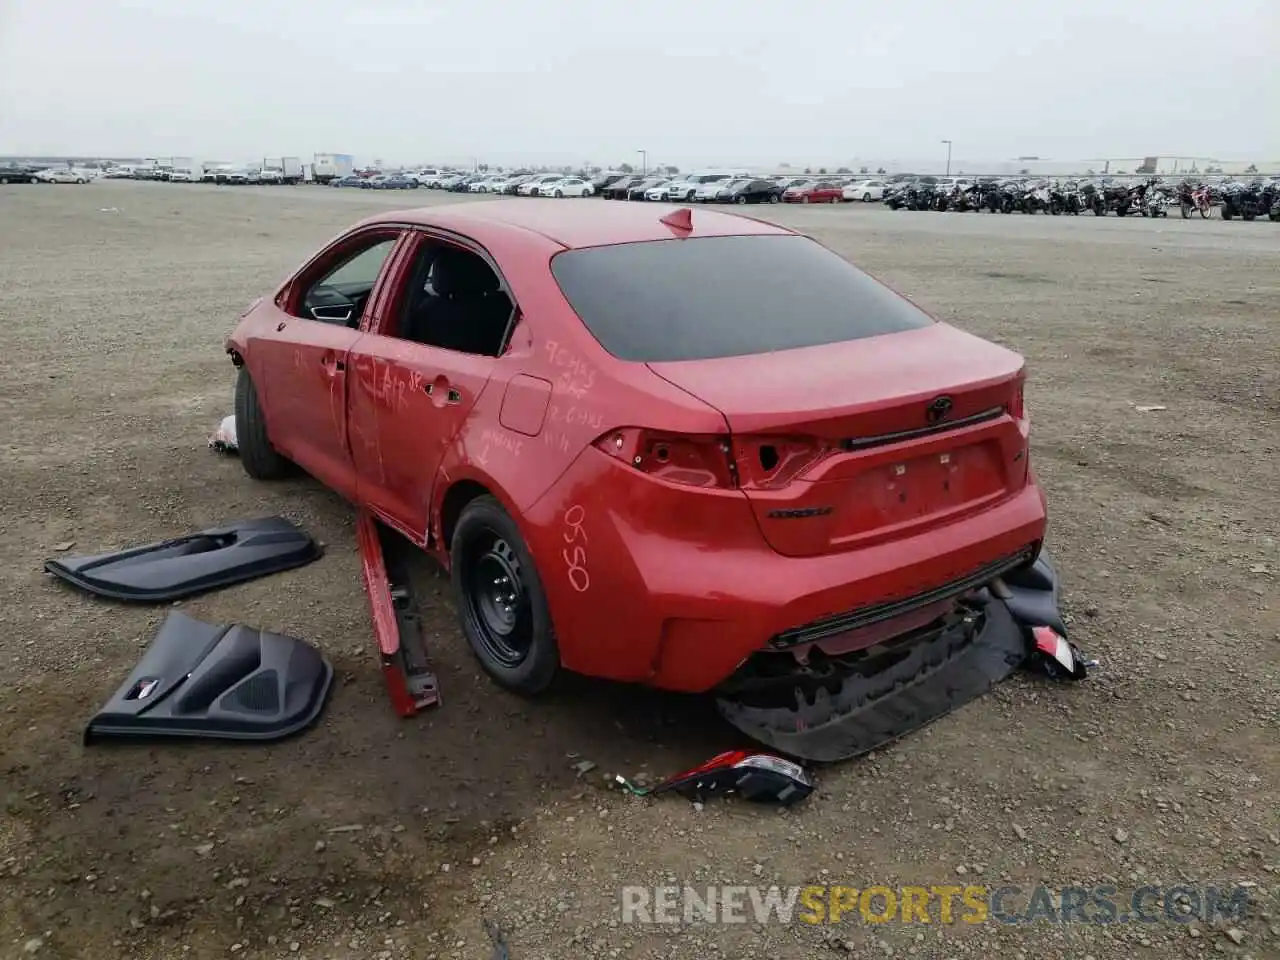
point(751, 191)
point(675, 187)
point(865, 190)
point(350, 180)
point(640, 191)
point(686, 189)
point(60, 175)
point(565, 187)
point(711, 190)
point(619, 188)
point(600, 181)
point(396, 181)
point(660, 192)
point(512, 186)
point(531, 187)
point(814, 191)
point(15, 173)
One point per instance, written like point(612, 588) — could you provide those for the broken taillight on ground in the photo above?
point(759, 777)
point(1057, 656)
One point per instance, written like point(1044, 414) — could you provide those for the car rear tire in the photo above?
point(775, 198)
point(258, 457)
point(559, 194)
point(501, 603)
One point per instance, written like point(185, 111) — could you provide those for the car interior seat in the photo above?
point(459, 306)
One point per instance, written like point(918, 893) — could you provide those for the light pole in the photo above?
point(644, 162)
point(948, 143)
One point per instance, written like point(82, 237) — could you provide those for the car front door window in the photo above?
point(340, 294)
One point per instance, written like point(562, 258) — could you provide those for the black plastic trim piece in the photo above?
point(880, 440)
point(216, 681)
point(184, 566)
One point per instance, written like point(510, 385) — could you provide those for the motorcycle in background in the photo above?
point(1064, 198)
point(1194, 199)
point(1011, 196)
point(1092, 199)
point(1250, 201)
point(1154, 199)
point(1036, 199)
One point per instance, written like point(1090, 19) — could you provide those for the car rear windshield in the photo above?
point(709, 297)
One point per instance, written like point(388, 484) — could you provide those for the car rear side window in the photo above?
point(709, 297)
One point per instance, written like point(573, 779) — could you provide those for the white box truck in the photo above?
point(272, 171)
point(186, 170)
point(331, 166)
point(281, 170)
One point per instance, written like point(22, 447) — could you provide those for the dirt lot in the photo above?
point(371, 836)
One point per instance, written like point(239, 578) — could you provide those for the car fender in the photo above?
point(457, 473)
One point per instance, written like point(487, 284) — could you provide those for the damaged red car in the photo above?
point(686, 449)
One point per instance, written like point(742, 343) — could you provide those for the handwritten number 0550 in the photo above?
point(579, 579)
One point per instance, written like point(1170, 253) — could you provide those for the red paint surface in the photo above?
point(667, 571)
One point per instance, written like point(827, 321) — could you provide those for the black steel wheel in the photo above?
point(500, 599)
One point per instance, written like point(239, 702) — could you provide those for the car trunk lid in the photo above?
point(847, 444)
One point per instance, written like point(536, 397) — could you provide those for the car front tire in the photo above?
point(500, 599)
point(259, 458)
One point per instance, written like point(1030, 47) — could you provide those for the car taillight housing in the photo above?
point(754, 463)
point(1017, 405)
point(769, 463)
point(691, 459)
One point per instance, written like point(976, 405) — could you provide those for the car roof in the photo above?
point(575, 225)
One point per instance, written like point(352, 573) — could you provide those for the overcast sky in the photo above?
point(566, 81)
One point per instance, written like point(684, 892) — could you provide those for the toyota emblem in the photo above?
point(938, 409)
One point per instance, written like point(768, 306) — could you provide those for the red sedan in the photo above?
point(814, 191)
point(654, 445)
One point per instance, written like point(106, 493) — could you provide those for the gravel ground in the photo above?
point(373, 837)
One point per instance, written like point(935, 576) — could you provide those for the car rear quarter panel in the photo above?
point(519, 455)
